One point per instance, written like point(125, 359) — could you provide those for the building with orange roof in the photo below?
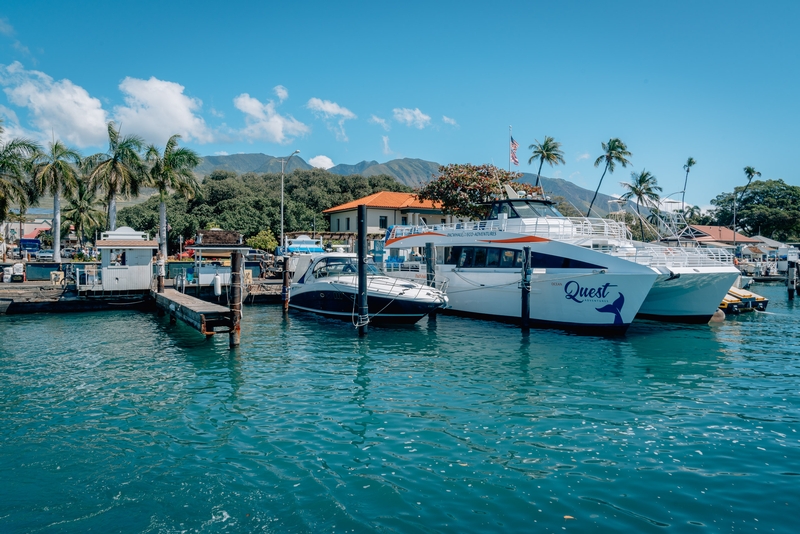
point(385, 209)
point(720, 236)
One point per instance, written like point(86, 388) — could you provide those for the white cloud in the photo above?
point(556, 174)
point(583, 156)
point(264, 123)
point(321, 162)
point(448, 120)
point(386, 149)
point(56, 107)
point(6, 28)
point(332, 110)
point(411, 117)
point(221, 153)
point(216, 113)
point(281, 92)
point(157, 109)
point(381, 122)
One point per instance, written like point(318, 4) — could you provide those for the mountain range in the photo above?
point(407, 171)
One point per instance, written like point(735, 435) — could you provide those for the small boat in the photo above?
point(327, 284)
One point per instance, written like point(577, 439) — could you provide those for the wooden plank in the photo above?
point(201, 315)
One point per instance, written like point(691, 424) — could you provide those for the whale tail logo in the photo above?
point(615, 308)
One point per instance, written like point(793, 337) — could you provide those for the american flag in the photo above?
point(514, 147)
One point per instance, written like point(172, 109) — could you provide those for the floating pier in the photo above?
point(206, 317)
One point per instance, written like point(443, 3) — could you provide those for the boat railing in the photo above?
point(658, 256)
point(561, 228)
point(402, 230)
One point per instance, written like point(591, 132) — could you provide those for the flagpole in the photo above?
point(509, 148)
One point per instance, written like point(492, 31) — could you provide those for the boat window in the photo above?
point(493, 257)
point(525, 209)
point(480, 257)
point(519, 257)
point(467, 255)
point(502, 207)
point(507, 258)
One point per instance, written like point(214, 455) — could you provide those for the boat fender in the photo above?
point(673, 276)
point(217, 285)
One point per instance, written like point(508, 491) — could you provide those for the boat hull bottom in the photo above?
point(684, 319)
point(382, 319)
point(609, 330)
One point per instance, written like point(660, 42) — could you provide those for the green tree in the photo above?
point(171, 170)
point(549, 151)
point(82, 209)
point(15, 159)
point(461, 189)
point(615, 152)
point(644, 188)
point(118, 171)
point(263, 240)
point(686, 167)
point(769, 207)
point(54, 172)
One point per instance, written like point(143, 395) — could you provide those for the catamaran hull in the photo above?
point(688, 294)
point(590, 302)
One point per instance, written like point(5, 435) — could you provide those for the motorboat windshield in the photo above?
point(341, 266)
point(523, 208)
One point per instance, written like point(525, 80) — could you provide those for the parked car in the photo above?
point(67, 252)
point(45, 255)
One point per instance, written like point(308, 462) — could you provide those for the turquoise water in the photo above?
point(121, 422)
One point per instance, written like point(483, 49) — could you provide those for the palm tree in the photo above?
point(687, 167)
point(15, 158)
point(53, 171)
point(171, 169)
point(644, 188)
point(691, 212)
point(615, 152)
point(549, 151)
point(751, 173)
point(118, 171)
point(82, 210)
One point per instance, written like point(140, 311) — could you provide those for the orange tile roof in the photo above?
point(386, 199)
point(720, 233)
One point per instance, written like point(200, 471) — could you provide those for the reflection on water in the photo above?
point(447, 425)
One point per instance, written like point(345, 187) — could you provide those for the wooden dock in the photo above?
point(206, 317)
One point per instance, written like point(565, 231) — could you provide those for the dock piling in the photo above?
point(791, 280)
point(363, 311)
point(286, 284)
point(235, 333)
point(525, 313)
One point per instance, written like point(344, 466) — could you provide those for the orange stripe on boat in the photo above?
point(396, 239)
point(524, 239)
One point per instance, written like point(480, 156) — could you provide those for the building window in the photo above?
point(404, 220)
point(348, 224)
point(384, 222)
point(338, 225)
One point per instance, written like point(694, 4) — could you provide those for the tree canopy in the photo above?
point(767, 207)
point(250, 203)
point(461, 189)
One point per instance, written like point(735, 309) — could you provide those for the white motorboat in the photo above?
point(571, 287)
point(327, 284)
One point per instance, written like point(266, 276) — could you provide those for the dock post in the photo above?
point(430, 264)
point(161, 269)
point(285, 288)
point(525, 313)
point(791, 282)
point(236, 299)
point(363, 311)
point(430, 268)
point(796, 276)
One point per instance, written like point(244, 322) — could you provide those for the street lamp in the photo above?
point(284, 162)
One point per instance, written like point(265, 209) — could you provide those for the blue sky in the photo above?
point(440, 81)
